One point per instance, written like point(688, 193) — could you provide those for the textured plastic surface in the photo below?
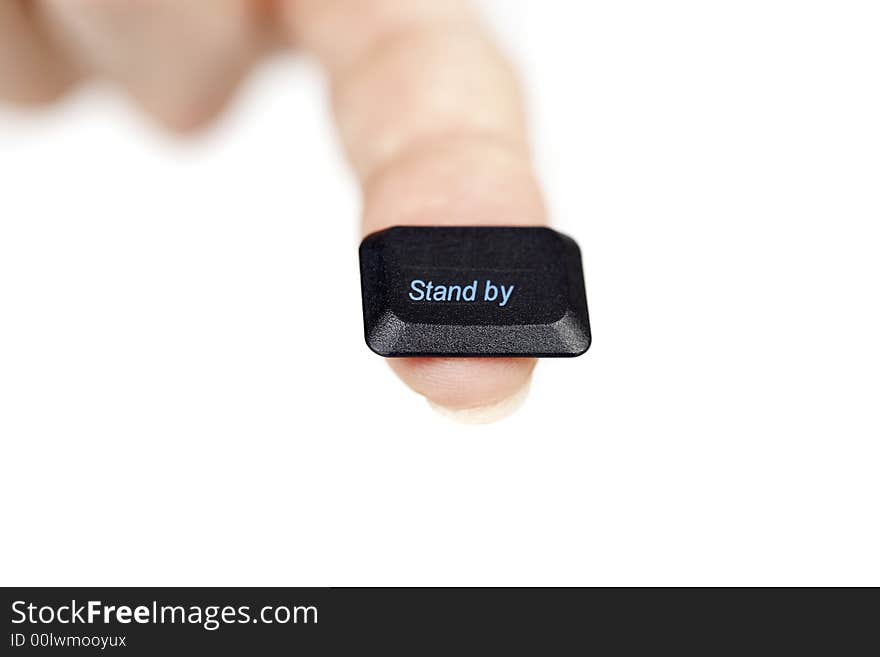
point(473, 291)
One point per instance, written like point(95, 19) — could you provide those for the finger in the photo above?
point(431, 117)
point(31, 70)
point(179, 60)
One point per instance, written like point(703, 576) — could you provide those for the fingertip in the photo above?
point(459, 384)
point(485, 414)
point(37, 94)
point(182, 120)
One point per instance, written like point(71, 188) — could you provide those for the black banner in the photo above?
point(288, 621)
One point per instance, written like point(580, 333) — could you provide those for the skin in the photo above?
point(428, 110)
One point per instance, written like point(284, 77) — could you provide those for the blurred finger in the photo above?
point(431, 117)
point(179, 60)
point(31, 70)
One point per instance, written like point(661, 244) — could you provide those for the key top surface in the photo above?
point(473, 291)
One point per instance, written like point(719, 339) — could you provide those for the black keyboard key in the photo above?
point(473, 291)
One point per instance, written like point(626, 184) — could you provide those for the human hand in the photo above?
point(428, 109)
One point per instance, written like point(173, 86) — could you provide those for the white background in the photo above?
point(186, 398)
